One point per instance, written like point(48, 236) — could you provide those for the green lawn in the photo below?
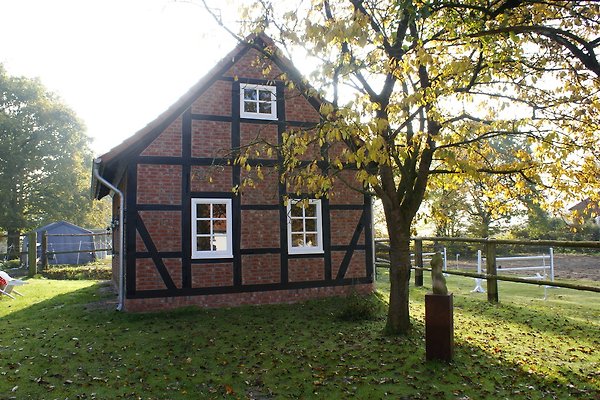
point(61, 341)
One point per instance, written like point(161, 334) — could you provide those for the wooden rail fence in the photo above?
point(491, 276)
point(35, 259)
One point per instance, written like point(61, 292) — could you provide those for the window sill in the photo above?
point(293, 252)
point(267, 117)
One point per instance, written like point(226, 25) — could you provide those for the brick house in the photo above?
point(587, 209)
point(188, 239)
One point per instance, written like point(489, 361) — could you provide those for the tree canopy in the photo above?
point(417, 88)
point(44, 158)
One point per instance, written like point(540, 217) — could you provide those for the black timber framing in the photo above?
point(206, 161)
point(283, 243)
point(187, 161)
point(161, 254)
point(351, 249)
point(236, 180)
point(186, 199)
point(246, 288)
point(158, 207)
point(226, 118)
point(369, 243)
point(158, 261)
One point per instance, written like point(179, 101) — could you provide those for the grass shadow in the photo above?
point(62, 347)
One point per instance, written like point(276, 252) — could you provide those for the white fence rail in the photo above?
point(547, 261)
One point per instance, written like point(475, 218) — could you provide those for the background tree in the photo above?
point(541, 225)
point(44, 160)
point(447, 209)
point(421, 88)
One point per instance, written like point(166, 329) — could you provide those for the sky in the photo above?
point(117, 63)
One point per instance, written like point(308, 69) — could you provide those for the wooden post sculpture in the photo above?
point(437, 276)
point(439, 319)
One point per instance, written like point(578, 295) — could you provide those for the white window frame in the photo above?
point(257, 114)
point(319, 228)
point(227, 253)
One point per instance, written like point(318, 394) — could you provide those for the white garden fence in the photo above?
point(546, 268)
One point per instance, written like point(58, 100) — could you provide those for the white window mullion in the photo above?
point(211, 232)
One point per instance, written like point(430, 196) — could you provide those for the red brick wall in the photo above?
point(164, 228)
point(344, 190)
point(168, 143)
point(343, 224)
point(306, 269)
point(211, 275)
point(260, 229)
point(356, 268)
point(255, 136)
point(260, 191)
point(261, 269)
point(211, 139)
point(211, 178)
point(216, 100)
point(148, 277)
point(158, 184)
point(297, 108)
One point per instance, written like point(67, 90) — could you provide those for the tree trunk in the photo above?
point(398, 320)
point(13, 243)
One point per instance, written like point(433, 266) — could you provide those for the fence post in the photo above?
point(44, 265)
point(419, 262)
point(490, 261)
point(32, 253)
point(551, 264)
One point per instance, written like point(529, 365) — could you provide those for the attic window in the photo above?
point(258, 101)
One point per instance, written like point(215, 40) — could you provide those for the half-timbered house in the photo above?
point(184, 237)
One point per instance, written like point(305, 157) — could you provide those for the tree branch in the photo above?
point(559, 36)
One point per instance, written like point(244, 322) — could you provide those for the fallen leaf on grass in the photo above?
point(229, 390)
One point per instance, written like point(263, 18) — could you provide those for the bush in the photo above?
point(79, 272)
point(357, 307)
point(10, 264)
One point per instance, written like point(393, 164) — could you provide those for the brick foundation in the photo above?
point(249, 298)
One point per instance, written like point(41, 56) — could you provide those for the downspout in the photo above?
point(115, 190)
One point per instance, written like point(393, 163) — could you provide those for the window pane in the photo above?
point(310, 225)
point(311, 210)
point(264, 108)
point(220, 243)
point(297, 225)
point(311, 240)
point(298, 240)
point(203, 210)
point(203, 243)
point(249, 94)
point(219, 211)
point(265, 95)
point(296, 210)
point(203, 227)
point(220, 226)
point(249, 107)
